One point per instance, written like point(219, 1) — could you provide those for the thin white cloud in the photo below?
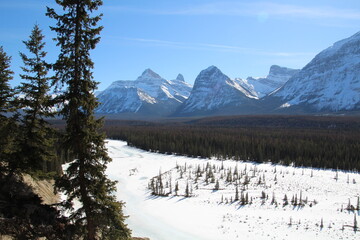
point(25, 5)
point(213, 47)
point(251, 9)
point(308, 12)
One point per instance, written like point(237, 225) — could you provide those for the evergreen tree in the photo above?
point(176, 188)
point(100, 215)
point(187, 191)
point(6, 75)
point(349, 206)
point(236, 194)
point(286, 202)
point(7, 125)
point(36, 143)
point(242, 198)
point(321, 223)
point(217, 185)
point(355, 222)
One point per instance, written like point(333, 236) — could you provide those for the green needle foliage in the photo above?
point(100, 215)
point(7, 124)
point(6, 75)
point(36, 143)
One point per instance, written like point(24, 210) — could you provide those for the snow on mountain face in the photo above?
point(182, 88)
point(154, 85)
point(126, 100)
point(276, 78)
point(213, 90)
point(331, 81)
point(148, 89)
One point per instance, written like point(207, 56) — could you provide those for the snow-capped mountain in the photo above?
point(183, 89)
point(276, 78)
point(330, 82)
point(148, 94)
point(214, 92)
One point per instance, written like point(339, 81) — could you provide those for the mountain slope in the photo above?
point(149, 94)
point(276, 78)
point(330, 82)
point(214, 93)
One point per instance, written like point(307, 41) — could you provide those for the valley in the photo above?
point(321, 211)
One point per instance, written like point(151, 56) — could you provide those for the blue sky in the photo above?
point(242, 38)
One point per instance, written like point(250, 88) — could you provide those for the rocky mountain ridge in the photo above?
point(213, 92)
point(149, 93)
point(261, 87)
point(330, 83)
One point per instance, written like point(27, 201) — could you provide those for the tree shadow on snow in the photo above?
point(153, 197)
point(181, 199)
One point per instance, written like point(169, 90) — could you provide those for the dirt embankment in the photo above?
point(44, 188)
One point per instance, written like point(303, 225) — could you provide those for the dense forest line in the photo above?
point(321, 142)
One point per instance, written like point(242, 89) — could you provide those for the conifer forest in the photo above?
point(311, 141)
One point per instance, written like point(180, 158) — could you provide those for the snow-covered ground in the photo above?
point(213, 214)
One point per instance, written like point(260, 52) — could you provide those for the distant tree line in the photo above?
point(311, 147)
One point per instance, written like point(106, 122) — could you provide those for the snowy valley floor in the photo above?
point(317, 208)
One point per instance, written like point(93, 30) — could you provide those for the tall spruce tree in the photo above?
point(5, 76)
point(36, 142)
point(7, 124)
point(100, 215)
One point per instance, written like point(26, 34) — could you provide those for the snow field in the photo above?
point(214, 214)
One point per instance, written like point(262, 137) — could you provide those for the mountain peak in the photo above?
point(213, 91)
point(180, 78)
point(148, 73)
point(209, 77)
point(276, 68)
point(211, 68)
point(281, 73)
point(212, 73)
